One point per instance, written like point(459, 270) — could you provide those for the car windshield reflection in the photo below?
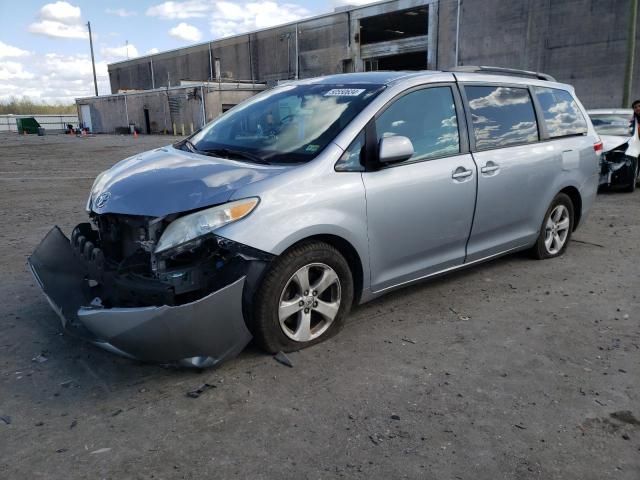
point(289, 124)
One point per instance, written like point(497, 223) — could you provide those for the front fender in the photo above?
point(303, 203)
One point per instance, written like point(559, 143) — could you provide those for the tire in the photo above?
point(280, 306)
point(634, 179)
point(549, 245)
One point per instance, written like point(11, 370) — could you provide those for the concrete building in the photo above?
point(397, 34)
point(582, 42)
point(178, 110)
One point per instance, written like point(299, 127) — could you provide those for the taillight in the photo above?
point(598, 146)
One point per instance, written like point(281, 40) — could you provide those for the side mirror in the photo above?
point(395, 149)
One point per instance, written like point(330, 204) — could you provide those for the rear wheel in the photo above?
point(303, 299)
point(556, 229)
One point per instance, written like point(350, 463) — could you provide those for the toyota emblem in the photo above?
point(102, 199)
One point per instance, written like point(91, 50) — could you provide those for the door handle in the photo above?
point(489, 168)
point(461, 172)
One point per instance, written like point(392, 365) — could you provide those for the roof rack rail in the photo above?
point(503, 71)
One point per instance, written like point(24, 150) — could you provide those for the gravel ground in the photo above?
point(512, 369)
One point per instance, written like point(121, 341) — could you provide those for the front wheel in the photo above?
point(556, 229)
point(303, 299)
point(634, 179)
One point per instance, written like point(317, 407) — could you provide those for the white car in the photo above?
point(619, 163)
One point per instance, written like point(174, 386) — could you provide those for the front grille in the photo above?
point(122, 238)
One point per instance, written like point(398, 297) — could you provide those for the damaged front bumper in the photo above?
point(617, 169)
point(200, 333)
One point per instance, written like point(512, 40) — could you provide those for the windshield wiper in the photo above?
point(228, 153)
point(187, 143)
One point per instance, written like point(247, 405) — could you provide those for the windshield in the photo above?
point(288, 124)
point(611, 124)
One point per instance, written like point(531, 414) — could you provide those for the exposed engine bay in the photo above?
point(124, 271)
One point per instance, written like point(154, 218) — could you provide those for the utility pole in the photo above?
point(126, 44)
point(631, 53)
point(93, 61)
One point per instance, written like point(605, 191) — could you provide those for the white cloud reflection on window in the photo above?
point(428, 118)
point(502, 116)
point(561, 113)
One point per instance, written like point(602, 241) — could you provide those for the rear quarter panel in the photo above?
point(578, 168)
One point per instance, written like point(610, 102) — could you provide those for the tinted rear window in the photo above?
point(501, 116)
point(561, 113)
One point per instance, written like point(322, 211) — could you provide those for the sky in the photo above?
point(44, 46)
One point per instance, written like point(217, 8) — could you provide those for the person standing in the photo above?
point(633, 150)
point(635, 120)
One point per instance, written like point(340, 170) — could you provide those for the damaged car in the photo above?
point(621, 156)
point(276, 218)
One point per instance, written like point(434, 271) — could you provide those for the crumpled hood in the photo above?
point(610, 142)
point(167, 180)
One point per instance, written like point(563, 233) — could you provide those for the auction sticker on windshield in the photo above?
point(344, 92)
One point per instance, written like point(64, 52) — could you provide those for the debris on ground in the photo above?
point(6, 419)
point(462, 317)
point(200, 390)
point(117, 412)
point(101, 450)
point(408, 340)
point(40, 358)
point(573, 240)
point(625, 416)
point(282, 358)
point(73, 424)
point(395, 417)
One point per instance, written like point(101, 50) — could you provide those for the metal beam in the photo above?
point(458, 36)
point(631, 53)
point(395, 47)
point(153, 79)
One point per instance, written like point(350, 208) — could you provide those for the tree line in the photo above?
point(24, 105)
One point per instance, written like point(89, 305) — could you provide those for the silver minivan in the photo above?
point(273, 220)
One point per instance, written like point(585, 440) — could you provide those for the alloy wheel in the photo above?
point(309, 302)
point(557, 229)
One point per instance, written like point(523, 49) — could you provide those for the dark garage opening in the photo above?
point(394, 26)
point(404, 61)
point(147, 124)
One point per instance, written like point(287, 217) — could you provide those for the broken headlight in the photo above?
point(95, 182)
point(203, 222)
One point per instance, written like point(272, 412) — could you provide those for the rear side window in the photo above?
point(561, 113)
point(501, 116)
point(428, 118)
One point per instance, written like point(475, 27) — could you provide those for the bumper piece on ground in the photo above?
point(202, 333)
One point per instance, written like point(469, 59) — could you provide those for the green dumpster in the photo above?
point(27, 125)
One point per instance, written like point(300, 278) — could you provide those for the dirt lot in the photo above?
point(512, 369)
